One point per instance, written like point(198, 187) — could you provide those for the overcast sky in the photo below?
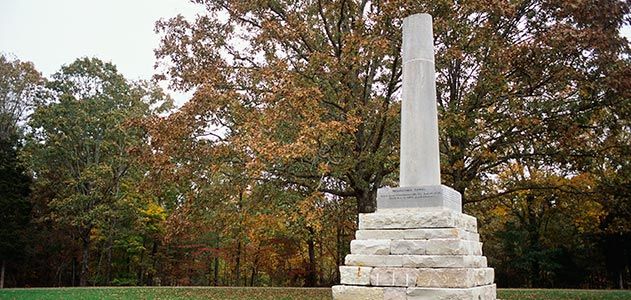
point(51, 33)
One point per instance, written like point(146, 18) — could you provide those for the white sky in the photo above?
point(51, 33)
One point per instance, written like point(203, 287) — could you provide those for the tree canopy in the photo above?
point(81, 145)
point(309, 91)
point(306, 95)
point(293, 126)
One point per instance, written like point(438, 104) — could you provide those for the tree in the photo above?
point(305, 96)
point(613, 181)
point(303, 115)
point(536, 82)
point(308, 91)
point(20, 87)
point(14, 205)
point(538, 236)
point(80, 143)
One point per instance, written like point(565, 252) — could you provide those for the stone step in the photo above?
point(416, 247)
point(349, 292)
point(455, 278)
point(416, 261)
point(372, 247)
point(416, 277)
point(417, 234)
point(487, 292)
point(412, 219)
point(355, 275)
point(435, 247)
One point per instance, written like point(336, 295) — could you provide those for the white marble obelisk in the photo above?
point(418, 245)
point(420, 156)
point(419, 186)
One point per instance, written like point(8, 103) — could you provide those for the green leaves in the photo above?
point(82, 149)
point(21, 88)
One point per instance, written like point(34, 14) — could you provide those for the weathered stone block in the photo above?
point(443, 261)
point(373, 260)
point(452, 247)
point(394, 294)
point(471, 236)
point(484, 276)
point(393, 277)
point(355, 275)
point(409, 247)
point(416, 261)
point(349, 292)
point(380, 234)
point(487, 292)
point(397, 219)
point(374, 247)
point(411, 219)
point(417, 234)
point(454, 278)
point(469, 223)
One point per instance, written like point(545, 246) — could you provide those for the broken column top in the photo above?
point(418, 41)
point(420, 156)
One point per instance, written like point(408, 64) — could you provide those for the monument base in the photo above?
point(347, 292)
point(416, 253)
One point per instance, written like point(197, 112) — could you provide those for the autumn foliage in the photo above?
point(294, 124)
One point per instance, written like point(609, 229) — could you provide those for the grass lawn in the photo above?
point(515, 294)
point(268, 293)
point(228, 293)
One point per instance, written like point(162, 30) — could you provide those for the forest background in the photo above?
point(292, 127)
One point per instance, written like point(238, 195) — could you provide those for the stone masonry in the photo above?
point(416, 254)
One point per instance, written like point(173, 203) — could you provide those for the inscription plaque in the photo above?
point(430, 197)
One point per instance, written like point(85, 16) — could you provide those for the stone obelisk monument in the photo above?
point(418, 244)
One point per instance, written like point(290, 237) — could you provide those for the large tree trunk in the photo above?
point(140, 278)
point(255, 266)
point(366, 201)
point(74, 270)
point(338, 247)
point(85, 257)
point(108, 267)
point(154, 261)
point(238, 264)
point(216, 271)
point(311, 270)
point(101, 250)
point(2, 274)
point(319, 278)
point(238, 258)
point(253, 274)
point(534, 244)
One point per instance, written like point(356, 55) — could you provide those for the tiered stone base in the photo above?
point(416, 254)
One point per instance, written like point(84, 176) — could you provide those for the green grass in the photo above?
point(169, 293)
point(518, 294)
point(268, 293)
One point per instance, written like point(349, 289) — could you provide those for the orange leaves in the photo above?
point(309, 83)
point(311, 210)
point(291, 122)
